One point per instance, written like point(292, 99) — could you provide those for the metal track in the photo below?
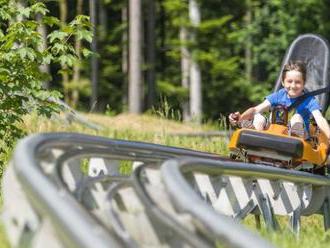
point(67, 189)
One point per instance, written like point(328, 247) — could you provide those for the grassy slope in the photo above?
point(157, 130)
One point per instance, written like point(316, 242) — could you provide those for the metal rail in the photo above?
point(174, 174)
point(241, 169)
point(73, 224)
point(45, 184)
point(164, 218)
point(213, 223)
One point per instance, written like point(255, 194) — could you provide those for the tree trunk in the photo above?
point(135, 57)
point(76, 68)
point(124, 64)
point(43, 31)
point(248, 43)
point(103, 20)
point(195, 73)
point(185, 64)
point(65, 77)
point(162, 34)
point(150, 46)
point(94, 60)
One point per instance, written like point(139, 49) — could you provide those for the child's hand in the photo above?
point(234, 118)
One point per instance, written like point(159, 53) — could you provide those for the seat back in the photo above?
point(314, 51)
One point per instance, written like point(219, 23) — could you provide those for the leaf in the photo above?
point(22, 52)
point(84, 34)
point(57, 35)
point(86, 52)
point(47, 58)
point(24, 12)
point(212, 24)
point(40, 8)
point(58, 48)
point(51, 21)
point(63, 60)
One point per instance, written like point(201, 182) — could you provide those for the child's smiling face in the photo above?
point(294, 83)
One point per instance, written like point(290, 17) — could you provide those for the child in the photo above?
point(293, 81)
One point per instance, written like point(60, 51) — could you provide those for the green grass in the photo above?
point(312, 233)
point(131, 128)
point(4, 243)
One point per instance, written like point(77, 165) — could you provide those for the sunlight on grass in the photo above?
point(312, 233)
point(3, 239)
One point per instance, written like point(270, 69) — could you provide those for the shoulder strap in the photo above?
point(301, 98)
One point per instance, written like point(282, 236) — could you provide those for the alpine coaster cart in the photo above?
point(275, 146)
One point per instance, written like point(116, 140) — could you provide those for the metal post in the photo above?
point(295, 221)
point(326, 214)
point(267, 212)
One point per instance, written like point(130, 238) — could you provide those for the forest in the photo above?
point(230, 51)
point(202, 59)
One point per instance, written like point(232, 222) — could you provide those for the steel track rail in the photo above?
point(139, 154)
point(161, 216)
point(117, 225)
point(188, 201)
point(82, 141)
point(74, 224)
point(153, 211)
point(135, 152)
point(214, 224)
point(252, 171)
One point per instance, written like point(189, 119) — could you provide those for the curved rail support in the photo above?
point(72, 223)
point(176, 175)
point(72, 204)
point(46, 168)
point(215, 224)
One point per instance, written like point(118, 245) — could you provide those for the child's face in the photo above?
point(294, 83)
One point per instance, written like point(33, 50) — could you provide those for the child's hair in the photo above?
point(295, 66)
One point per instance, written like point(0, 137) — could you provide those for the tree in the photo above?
point(94, 61)
point(185, 65)
point(21, 56)
point(248, 45)
point(76, 67)
point(135, 94)
point(124, 63)
point(43, 31)
point(63, 6)
point(195, 72)
point(238, 47)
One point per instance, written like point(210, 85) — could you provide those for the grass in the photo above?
point(312, 233)
point(162, 131)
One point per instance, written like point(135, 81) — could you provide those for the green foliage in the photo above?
point(21, 56)
point(221, 42)
point(168, 89)
point(273, 27)
point(113, 84)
